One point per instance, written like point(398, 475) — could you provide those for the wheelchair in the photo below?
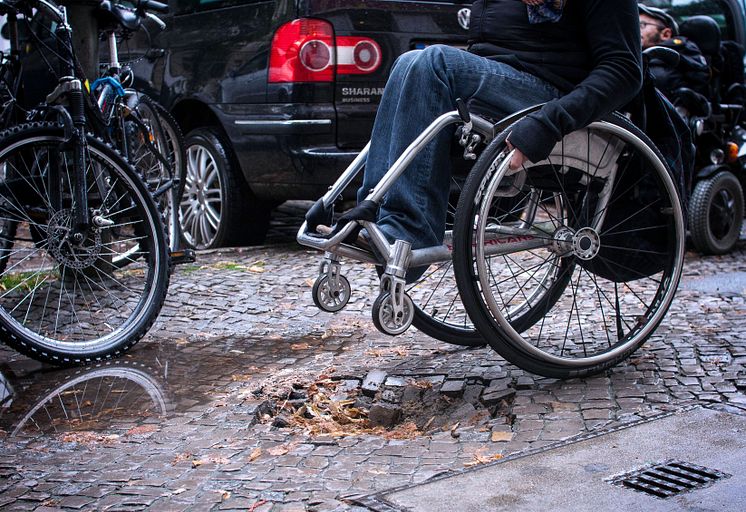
point(717, 120)
point(564, 267)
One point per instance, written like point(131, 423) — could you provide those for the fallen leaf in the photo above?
point(255, 454)
point(278, 450)
point(480, 458)
point(256, 505)
point(240, 378)
point(299, 346)
point(181, 457)
point(142, 429)
point(501, 436)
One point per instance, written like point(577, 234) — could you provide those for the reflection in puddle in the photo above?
point(93, 398)
point(152, 382)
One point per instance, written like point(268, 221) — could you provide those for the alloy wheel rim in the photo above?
point(200, 210)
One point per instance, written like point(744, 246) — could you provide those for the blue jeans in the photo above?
point(423, 85)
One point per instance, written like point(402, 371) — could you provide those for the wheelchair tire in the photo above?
point(549, 288)
point(716, 213)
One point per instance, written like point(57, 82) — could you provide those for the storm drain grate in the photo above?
point(669, 479)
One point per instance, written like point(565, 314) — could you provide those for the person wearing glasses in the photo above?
point(658, 28)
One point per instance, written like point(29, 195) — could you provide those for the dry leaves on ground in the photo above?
point(142, 429)
point(501, 436)
point(87, 437)
point(390, 351)
point(211, 459)
point(255, 454)
point(481, 458)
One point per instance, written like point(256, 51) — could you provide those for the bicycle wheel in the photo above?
point(156, 150)
point(66, 301)
point(581, 269)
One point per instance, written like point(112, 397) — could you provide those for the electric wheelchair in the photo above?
point(717, 120)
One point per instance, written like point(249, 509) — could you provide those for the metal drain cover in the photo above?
point(669, 478)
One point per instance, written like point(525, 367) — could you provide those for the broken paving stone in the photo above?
point(389, 395)
point(453, 388)
point(281, 421)
point(384, 415)
point(524, 382)
point(373, 382)
point(363, 402)
point(348, 385)
point(472, 393)
point(396, 382)
point(411, 394)
point(464, 413)
point(495, 397)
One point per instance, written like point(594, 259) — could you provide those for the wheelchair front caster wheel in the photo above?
point(331, 297)
point(387, 319)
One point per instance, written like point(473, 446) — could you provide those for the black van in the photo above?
point(276, 97)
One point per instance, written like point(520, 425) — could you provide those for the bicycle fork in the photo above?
point(73, 88)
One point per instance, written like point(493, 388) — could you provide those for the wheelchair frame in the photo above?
point(393, 310)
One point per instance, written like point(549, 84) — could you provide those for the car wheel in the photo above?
point(217, 208)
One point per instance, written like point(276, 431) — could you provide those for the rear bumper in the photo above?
point(286, 151)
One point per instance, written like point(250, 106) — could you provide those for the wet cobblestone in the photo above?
point(200, 437)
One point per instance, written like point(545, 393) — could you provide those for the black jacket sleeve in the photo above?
point(613, 37)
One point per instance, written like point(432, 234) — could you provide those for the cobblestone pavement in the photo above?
point(199, 415)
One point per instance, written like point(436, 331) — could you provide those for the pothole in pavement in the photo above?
point(392, 406)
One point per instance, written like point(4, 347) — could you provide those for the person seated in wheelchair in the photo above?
point(658, 28)
point(580, 58)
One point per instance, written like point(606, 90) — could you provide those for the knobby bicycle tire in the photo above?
point(62, 301)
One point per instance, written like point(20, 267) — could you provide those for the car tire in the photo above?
point(217, 208)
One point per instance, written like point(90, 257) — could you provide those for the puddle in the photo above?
point(152, 382)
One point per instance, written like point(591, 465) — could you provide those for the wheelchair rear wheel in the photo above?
point(568, 265)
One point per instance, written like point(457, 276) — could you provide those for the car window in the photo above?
point(718, 10)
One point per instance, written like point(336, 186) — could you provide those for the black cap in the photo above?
point(660, 15)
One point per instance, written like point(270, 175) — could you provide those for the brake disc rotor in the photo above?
point(64, 251)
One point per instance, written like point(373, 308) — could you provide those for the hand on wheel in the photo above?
point(518, 159)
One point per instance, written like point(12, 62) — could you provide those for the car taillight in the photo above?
point(357, 55)
point(304, 50)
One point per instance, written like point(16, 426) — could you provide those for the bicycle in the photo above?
point(84, 261)
point(141, 129)
point(565, 267)
point(136, 124)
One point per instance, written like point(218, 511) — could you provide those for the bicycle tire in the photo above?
point(176, 155)
point(63, 302)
